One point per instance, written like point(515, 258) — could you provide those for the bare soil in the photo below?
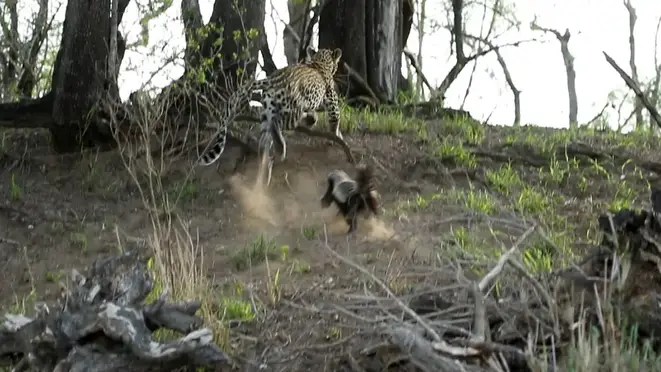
point(62, 212)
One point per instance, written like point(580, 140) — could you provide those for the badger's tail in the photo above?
point(366, 186)
point(365, 178)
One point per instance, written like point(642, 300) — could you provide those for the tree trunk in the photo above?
point(407, 22)
point(371, 35)
point(229, 40)
point(297, 18)
point(571, 79)
point(80, 80)
point(342, 25)
point(242, 18)
point(638, 107)
point(384, 47)
point(568, 60)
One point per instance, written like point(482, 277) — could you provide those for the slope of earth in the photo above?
point(271, 264)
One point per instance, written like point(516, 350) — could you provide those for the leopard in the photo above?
point(290, 98)
point(231, 109)
point(352, 196)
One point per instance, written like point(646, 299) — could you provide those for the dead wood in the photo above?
point(633, 86)
point(570, 68)
point(102, 323)
point(461, 327)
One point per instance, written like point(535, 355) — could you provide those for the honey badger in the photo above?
point(351, 196)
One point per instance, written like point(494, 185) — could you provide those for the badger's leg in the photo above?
point(327, 199)
point(352, 221)
point(352, 214)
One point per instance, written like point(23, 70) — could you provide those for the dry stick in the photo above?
point(542, 292)
point(9, 241)
point(399, 302)
point(480, 315)
point(417, 68)
point(491, 275)
point(639, 93)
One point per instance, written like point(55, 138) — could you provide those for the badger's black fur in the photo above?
point(351, 196)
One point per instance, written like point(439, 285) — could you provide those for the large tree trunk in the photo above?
point(342, 25)
point(384, 47)
point(371, 34)
point(78, 82)
point(80, 77)
point(233, 23)
point(234, 53)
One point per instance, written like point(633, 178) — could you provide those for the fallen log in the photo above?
point(103, 324)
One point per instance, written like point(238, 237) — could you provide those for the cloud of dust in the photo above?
point(255, 202)
point(296, 205)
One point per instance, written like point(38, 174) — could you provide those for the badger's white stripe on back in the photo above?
point(345, 189)
point(343, 185)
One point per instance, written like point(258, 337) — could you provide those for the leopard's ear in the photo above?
point(337, 54)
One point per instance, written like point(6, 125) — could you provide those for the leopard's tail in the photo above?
point(232, 107)
point(217, 148)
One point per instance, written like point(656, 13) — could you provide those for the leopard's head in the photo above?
point(326, 60)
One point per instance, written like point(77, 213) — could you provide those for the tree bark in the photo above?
point(79, 80)
point(234, 53)
point(384, 47)
point(297, 19)
point(568, 60)
point(342, 25)
point(407, 22)
point(371, 35)
point(638, 107)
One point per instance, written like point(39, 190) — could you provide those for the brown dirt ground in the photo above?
point(75, 208)
point(70, 205)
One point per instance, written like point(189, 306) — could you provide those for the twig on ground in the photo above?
point(480, 322)
point(491, 275)
point(9, 241)
point(383, 286)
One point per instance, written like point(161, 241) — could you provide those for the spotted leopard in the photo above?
point(290, 97)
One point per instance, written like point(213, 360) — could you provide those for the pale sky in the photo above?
point(537, 68)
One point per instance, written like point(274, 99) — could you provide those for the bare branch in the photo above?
point(639, 93)
point(632, 58)
point(516, 93)
point(413, 60)
point(570, 71)
point(598, 115)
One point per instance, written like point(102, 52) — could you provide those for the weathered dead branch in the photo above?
point(460, 327)
point(570, 69)
point(102, 323)
point(633, 86)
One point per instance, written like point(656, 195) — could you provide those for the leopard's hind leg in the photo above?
point(269, 133)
